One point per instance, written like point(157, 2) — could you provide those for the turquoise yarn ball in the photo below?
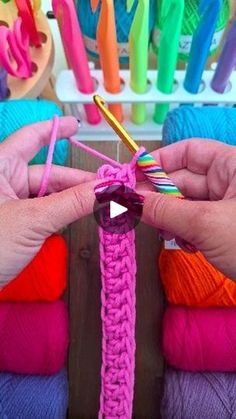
point(15, 114)
point(217, 123)
point(89, 20)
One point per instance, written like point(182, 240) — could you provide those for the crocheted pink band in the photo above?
point(118, 274)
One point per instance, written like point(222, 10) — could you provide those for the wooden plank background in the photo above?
point(84, 302)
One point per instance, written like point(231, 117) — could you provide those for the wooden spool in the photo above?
point(42, 57)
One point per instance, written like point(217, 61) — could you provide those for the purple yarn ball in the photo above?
point(199, 395)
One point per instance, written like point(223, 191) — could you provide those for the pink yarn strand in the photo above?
point(94, 153)
point(118, 274)
point(48, 165)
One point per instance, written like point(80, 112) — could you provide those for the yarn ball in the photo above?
point(191, 20)
point(190, 280)
point(33, 337)
point(200, 339)
point(89, 20)
point(209, 395)
point(45, 278)
point(34, 397)
point(217, 123)
point(15, 114)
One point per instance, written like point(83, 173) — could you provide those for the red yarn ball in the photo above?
point(45, 278)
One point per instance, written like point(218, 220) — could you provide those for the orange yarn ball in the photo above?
point(44, 279)
point(190, 280)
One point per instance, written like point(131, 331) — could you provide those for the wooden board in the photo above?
point(84, 302)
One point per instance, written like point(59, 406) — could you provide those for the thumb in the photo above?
point(179, 217)
point(53, 212)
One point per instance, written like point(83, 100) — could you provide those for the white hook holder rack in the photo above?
point(68, 94)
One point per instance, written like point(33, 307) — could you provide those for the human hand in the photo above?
point(26, 223)
point(205, 172)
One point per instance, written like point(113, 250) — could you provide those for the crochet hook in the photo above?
point(145, 161)
point(73, 43)
point(226, 63)
point(170, 23)
point(209, 11)
point(108, 51)
point(138, 45)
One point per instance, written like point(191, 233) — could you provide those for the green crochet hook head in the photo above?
point(170, 24)
point(138, 51)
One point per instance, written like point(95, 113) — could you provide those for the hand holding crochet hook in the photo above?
point(205, 221)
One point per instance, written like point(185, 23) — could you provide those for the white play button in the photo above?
point(116, 209)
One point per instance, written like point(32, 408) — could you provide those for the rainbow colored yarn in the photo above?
point(156, 175)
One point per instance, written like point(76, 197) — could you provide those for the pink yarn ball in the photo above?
point(200, 339)
point(33, 337)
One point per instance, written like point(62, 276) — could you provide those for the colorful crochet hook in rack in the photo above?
point(108, 52)
point(69, 26)
point(171, 17)
point(209, 11)
point(138, 46)
point(151, 169)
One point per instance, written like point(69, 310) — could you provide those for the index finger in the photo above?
point(27, 141)
point(195, 154)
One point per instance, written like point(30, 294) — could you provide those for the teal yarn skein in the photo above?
point(15, 114)
point(89, 20)
point(34, 397)
point(217, 123)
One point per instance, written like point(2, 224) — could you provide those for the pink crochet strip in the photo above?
point(118, 272)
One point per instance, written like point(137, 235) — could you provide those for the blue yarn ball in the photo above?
point(33, 397)
point(217, 123)
point(15, 114)
point(89, 20)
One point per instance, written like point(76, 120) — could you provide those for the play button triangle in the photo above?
point(116, 209)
